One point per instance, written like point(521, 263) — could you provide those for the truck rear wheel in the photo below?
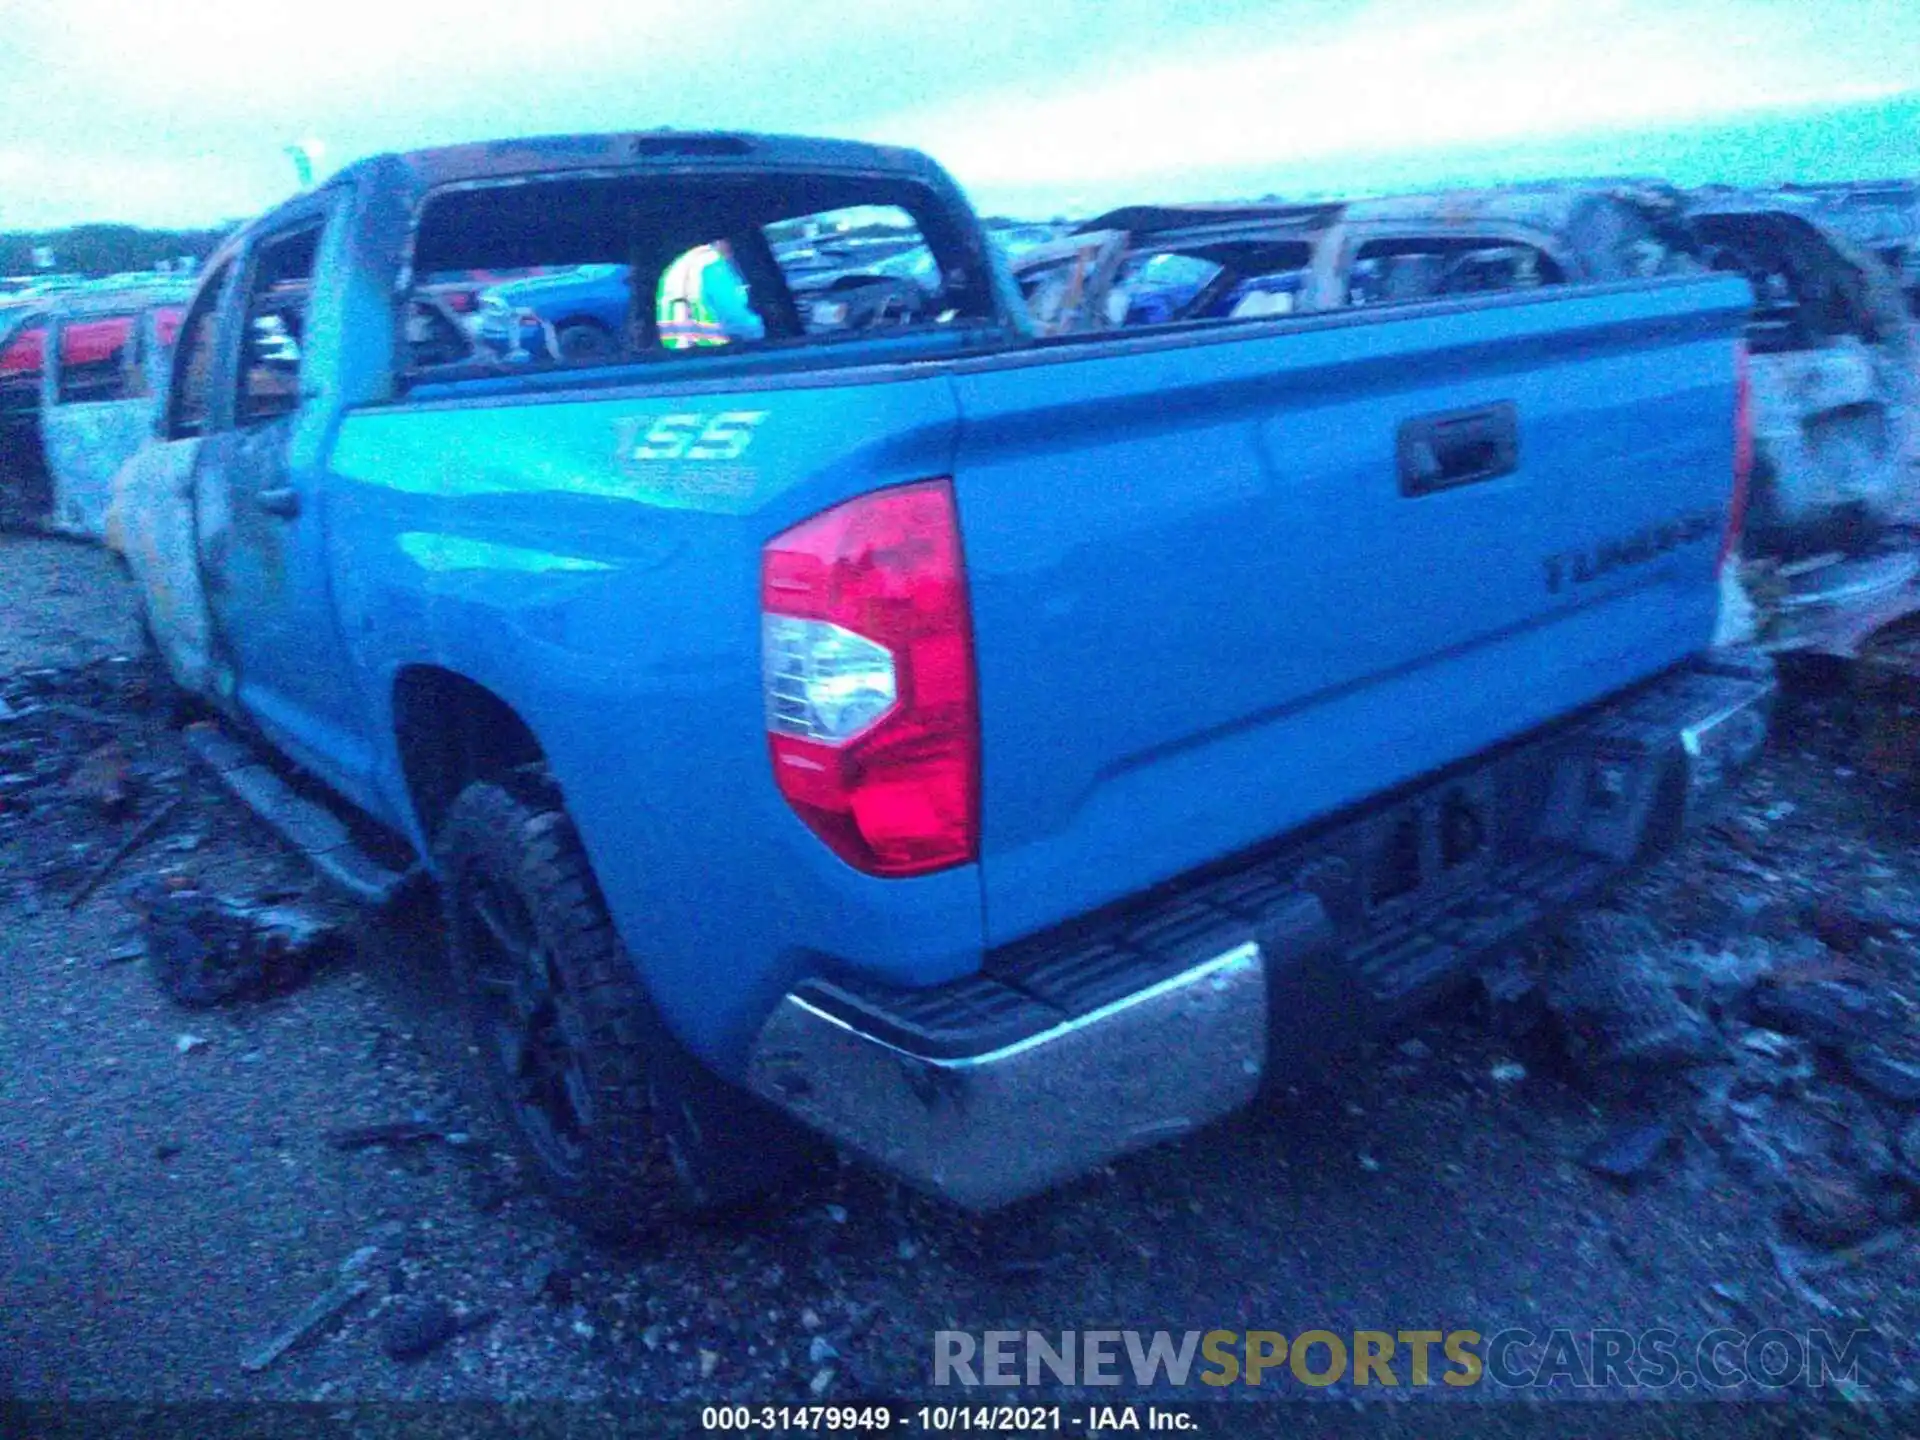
point(618, 1121)
point(583, 342)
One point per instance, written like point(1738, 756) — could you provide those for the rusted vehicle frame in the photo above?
point(85, 438)
point(1543, 218)
point(1830, 559)
point(65, 446)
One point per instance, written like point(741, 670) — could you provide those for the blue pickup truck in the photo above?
point(990, 752)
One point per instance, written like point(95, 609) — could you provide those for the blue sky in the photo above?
point(177, 111)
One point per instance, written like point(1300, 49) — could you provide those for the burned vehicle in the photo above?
point(1829, 556)
point(1880, 218)
point(23, 465)
point(929, 735)
point(1165, 264)
point(79, 372)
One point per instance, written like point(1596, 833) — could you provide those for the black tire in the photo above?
point(584, 342)
point(620, 1125)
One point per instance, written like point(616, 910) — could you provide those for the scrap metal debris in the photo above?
point(416, 1330)
point(1619, 1012)
point(1837, 1012)
point(1886, 1074)
point(206, 950)
point(103, 777)
point(1787, 1261)
point(393, 1132)
point(1830, 1208)
point(135, 838)
point(1629, 1150)
point(322, 1311)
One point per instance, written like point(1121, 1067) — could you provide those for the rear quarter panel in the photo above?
point(613, 601)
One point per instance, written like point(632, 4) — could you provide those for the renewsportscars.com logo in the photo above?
point(1656, 1359)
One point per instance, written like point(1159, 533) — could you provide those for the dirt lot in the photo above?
point(174, 1195)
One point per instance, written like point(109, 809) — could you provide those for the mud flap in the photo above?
point(1316, 1008)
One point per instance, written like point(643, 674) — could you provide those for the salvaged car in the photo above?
point(78, 380)
point(23, 465)
point(1159, 264)
point(1831, 551)
point(1880, 218)
point(993, 752)
point(576, 314)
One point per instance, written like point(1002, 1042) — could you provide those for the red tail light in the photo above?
point(867, 665)
point(1742, 454)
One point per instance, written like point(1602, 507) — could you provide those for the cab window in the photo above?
point(582, 271)
point(274, 325)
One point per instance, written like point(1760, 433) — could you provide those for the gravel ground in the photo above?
point(172, 1196)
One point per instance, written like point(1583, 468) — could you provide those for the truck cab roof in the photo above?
point(671, 149)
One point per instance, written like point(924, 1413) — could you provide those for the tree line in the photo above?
point(104, 249)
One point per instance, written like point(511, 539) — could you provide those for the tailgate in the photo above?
point(1226, 584)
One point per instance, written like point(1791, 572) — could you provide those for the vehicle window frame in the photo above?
point(939, 215)
point(211, 296)
point(129, 357)
point(1358, 237)
point(312, 222)
point(44, 324)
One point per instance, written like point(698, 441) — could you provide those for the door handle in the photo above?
point(282, 500)
point(1461, 447)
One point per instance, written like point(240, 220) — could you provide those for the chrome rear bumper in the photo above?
point(1125, 1031)
point(986, 1129)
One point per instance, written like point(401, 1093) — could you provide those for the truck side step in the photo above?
point(306, 824)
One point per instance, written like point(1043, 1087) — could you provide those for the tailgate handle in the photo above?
point(1461, 447)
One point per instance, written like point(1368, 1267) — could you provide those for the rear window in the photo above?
point(94, 358)
point(21, 357)
point(576, 272)
point(856, 269)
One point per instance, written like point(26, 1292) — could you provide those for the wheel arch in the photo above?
point(449, 731)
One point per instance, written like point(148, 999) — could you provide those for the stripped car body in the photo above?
point(106, 365)
point(1879, 217)
point(1254, 261)
point(1829, 554)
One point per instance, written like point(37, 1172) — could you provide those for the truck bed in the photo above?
point(1217, 593)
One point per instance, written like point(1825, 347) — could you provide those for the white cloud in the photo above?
point(1401, 77)
point(178, 111)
